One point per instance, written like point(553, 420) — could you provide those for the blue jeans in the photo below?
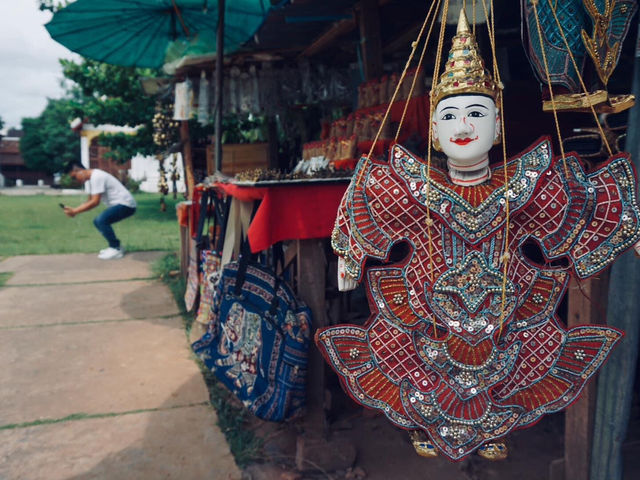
point(111, 215)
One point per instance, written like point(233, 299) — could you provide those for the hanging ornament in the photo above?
point(165, 129)
point(163, 187)
point(572, 37)
point(183, 101)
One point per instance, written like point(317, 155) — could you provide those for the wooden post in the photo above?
point(311, 287)
point(219, 84)
point(615, 383)
point(585, 307)
point(314, 448)
point(187, 157)
point(272, 138)
point(370, 38)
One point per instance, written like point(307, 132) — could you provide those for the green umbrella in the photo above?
point(139, 32)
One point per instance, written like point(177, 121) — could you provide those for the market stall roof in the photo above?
point(329, 30)
point(306, 28)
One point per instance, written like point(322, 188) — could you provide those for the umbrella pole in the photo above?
point(219, 84)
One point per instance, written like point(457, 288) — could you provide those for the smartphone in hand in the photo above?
point(62, 205)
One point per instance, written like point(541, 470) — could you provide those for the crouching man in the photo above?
point(120, 205)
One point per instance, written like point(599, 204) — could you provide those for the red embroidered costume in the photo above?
point(470, 381)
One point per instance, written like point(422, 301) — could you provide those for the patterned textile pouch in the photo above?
point(258, 346)
point(211, 262)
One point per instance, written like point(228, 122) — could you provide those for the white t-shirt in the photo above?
point(111, 191)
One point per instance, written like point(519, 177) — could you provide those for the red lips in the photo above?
point(463, 141)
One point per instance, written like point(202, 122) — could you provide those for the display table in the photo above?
point(295, 212)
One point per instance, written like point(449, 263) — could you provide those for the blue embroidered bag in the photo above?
point(258, 340)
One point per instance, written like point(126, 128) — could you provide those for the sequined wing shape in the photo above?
point(611, 20)
point(572, 18)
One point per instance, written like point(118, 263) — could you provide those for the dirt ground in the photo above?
point(384, 452)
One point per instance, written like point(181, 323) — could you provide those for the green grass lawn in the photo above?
point(37, 225)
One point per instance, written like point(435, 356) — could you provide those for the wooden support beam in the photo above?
point(327, 38)
point(370, 38)
point(311, 286)
point(403, 39)
point(314, 449)
point(616, 380)
point(336, 30)
point(219, 78)
point(588, 306)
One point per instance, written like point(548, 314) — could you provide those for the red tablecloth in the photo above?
point(293, 212)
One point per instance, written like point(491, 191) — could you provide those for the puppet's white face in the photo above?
point(466, 127)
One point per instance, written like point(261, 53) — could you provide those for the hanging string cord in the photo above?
point(418, 68)
point(414, 46)
point(473, 14)
point(553, 101)
point(504, 258)
point(429, 221)
point(582, 84)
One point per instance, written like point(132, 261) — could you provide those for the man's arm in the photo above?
point(92, 202)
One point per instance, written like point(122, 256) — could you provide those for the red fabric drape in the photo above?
point(295, 212)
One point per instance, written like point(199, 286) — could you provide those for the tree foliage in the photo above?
point(48, 142)
point(52, 5)
point(111, 94)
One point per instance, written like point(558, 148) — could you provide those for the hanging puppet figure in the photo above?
point(588, 33)
point(464, 344)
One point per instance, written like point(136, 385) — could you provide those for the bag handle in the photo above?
point(222, 214)
point(278, 258)
point(273, 308)
point(204, 202)
point(205, 244)
point(245, 258)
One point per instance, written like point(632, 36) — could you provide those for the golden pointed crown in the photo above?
point(464, 70)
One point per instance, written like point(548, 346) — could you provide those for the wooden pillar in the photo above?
point(219, 85)
point(370, 38)
point(588, 306)
point(272, 138)
point(311, 287)
point(315, 447)
point(615, 383)
point(187, 157)
point(616, 379)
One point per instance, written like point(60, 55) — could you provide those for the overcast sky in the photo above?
point(29, 68)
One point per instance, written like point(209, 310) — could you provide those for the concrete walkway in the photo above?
point(97, 379)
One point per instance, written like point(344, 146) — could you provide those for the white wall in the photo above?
point(145, 169)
